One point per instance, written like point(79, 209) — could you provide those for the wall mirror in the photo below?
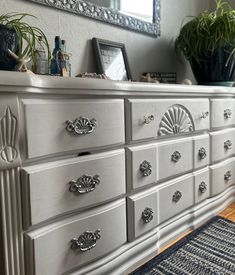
point(138, 15)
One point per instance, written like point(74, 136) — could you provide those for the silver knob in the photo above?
point(145, 168)
point(84, 184)
point(228, 144)
point(202, 187)
point(148, 119)
point(204, 115)
point(85, 241)
point(227, 113)
point(177, 196)
point(176, 156)
point(202, 153)
point(147, 215)
point(228, 175)
point(81, 126)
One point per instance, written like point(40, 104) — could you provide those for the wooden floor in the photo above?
point(228, 213)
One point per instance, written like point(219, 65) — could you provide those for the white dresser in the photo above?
point(96, 176)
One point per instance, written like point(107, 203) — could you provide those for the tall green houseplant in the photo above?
point(208, 42)
point(19, 41)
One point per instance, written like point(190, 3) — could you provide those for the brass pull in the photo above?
point(177, 196)
point(81, 126)
point(202, 153)
point(145, 168)
point(84, 184)
point(148, 119)
point(176, 156)
point(147, 215)
point(85, 241)
point(202, 187)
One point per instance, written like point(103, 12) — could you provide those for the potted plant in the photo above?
point(19, 42)
point(208, 42)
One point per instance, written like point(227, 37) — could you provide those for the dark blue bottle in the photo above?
point(56, 61)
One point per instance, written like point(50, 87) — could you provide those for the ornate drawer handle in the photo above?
point(81, 126)
point(203, 187)
point(227, 113)
point(148, 119)
point(147, 215)
point(228, 144)
point(145, 168)
point(176, 156)
point(85, 241)
point(177, 196)
point(202, 153)
point(204, 115)
point(84, 184)
point(228, 175)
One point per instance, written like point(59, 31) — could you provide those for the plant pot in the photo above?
point(219, 67)
point(9, 41)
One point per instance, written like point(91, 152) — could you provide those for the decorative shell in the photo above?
point(175, 120)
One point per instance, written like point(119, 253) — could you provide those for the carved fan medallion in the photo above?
point(175, 120)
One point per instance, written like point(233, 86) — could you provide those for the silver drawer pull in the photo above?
point(147, 215)
point(227, 113)
point(84, 184)
point(228, 144)
point(145, 168)
point(177, 196)
point(204, 115)
point(85, 241)
point(202, 187)
point(81, 126)
point(202, 153)
point(176, 156)
point(228, 175)
point(148, 119)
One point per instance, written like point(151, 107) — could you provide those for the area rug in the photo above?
point(209, 250)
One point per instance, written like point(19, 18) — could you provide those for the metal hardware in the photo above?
point(202, 153)
point(228, 144)
point(202, 187)
point(227, 113)
point(228, 175)
point(85, 241)
point(176, 156)
point(148, 119)
point(177, 196)
point(147, 215)
point(204, 115)
point(84, 184)
point(145, 168)
point(81, 126)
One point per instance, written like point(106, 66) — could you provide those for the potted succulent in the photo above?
point(208, 42)
point(19, 42)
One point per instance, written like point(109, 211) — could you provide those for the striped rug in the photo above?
point(209, 250)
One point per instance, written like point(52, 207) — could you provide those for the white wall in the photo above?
point(145, 53)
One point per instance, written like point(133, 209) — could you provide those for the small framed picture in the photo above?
point(111, 59)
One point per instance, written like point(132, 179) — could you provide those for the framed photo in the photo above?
point(111, 59)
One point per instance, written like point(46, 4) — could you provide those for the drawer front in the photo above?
point(60, 247)
point(222, 144)
point(222, 112)
point(151, 118)
point(99, 123)
point(201, 151)
point(174, 157)
point(222, 176)
point(175, 197)
point(141, 166)
point(202, 185)
point(62, 186)
point(142, 213)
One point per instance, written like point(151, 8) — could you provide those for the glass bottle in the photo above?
point(41, 65)
point(57, 58)
point(67, 65)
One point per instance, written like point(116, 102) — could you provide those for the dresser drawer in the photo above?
point(222, 144)
point(175, 196)
point(222, 112)
point(141, 165)
point(149, 118)
point(222, 176)
point(62, 186)
point(201, 151)
point(142, 213)
point(62, 246)
point(202, 185)
point(174, 157)
point(54, 126)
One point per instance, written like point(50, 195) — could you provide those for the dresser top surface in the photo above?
point(30, 83)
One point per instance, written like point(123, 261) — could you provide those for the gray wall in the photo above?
point(145, 53)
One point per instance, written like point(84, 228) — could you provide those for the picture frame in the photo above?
point(111, 59)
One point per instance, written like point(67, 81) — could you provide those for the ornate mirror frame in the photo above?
point(108, 15)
